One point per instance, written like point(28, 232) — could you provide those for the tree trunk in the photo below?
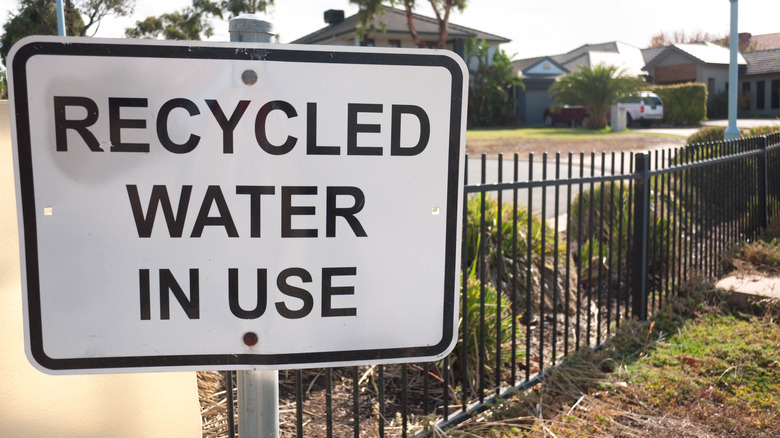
point(444, 22)
point(410, 22)
point(69, 18)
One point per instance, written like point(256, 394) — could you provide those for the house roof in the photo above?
point(705, 53)
point(769, 41)
point(589, 55)
point(761, 62)
point(651, 52)
point(394, 21)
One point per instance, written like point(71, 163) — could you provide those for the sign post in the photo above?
point(200, 206)
point(258, 391)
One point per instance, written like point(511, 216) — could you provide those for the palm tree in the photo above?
point(596, 89)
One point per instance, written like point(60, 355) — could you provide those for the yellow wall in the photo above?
point(33, 404)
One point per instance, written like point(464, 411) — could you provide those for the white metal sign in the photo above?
point(225, 206)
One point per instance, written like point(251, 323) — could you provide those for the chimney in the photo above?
point(744, 40)
point(334, 16)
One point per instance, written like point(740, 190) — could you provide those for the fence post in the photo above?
point(762, 183)
point(639, 268)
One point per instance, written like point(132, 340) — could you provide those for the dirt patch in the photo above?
point(551, 145)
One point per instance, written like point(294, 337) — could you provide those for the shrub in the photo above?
point(589, 227)
point(498, 330)
point(491, 86)
point(716, 133)
point(707, 144)
point(540, 263)
point(705, 135)
point(607, 204)
point(761, 130)
point(718, 106)
point(684, 104)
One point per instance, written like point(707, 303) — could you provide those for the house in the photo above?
point(706, 63)
point(760, 84)
point(540, 73)
point(392, 31)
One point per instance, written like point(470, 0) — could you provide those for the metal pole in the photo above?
point(732, 132)
point(248, 28)
point(60, 19)
point(761, 165)
point(258, 404)
point(641, 227)
point(258, 391)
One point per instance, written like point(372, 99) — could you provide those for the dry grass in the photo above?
point(213, 404)
point(761, 256)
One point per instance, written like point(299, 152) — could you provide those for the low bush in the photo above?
point(761, 130)
point(706, 135)
point(499, 265)
point(498, 332)
point(602, 223)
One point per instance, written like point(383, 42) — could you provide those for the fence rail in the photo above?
point(552, 264)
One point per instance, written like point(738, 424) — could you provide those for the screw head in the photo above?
point(249, 77)
point(250, 339)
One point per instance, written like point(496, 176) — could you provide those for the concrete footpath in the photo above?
point(748, 288)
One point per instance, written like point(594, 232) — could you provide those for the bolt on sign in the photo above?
point(189, 206)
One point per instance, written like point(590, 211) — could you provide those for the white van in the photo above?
point(645, 107)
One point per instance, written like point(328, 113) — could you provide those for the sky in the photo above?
point(536, 27)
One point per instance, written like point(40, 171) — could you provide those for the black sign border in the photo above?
point(279, 53)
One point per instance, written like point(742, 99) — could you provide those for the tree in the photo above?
point(662, 38)
point(369, 9)
point(39, 17)
point(596, 89)
point(192, 22)
point(491, 85)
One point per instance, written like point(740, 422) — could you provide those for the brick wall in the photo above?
point(671, 74)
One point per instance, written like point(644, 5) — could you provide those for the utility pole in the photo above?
point(732, 132)
point(60, 19)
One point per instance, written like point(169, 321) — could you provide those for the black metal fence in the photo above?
point(558, 252)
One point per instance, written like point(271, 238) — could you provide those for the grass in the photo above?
point(717, 373)
point(731, 359)
point(699, 369)
point(549, 133)
point(527, 133)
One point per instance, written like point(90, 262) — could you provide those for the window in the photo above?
point(760, 94)
point(394, 43)
point(710, 86)
point(776, 94)
point(747, 96)
point(368, 42)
